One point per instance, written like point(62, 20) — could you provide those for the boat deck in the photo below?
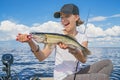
point(48, 78)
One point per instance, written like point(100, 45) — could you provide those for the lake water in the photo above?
point(25, 64)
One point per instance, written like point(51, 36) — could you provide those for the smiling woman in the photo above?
point(102, 33)
point(68, 66)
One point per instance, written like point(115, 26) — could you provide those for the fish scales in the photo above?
point(61, 38)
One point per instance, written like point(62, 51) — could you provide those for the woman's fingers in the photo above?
point(62, 45)
point(23, 37)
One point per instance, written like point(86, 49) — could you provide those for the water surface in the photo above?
point(26, 65)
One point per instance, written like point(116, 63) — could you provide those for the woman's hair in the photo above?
point(79, 22)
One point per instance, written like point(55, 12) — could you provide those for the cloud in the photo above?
point(94, 31)
point(114, 31)
point(98, 18)
point(102, 18)
point(98, 36)
point(49, 26)
point(9, 31)
point(116, 15)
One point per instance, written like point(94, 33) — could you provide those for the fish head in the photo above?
point(40, 38)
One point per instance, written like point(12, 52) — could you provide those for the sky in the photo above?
point(101, 19)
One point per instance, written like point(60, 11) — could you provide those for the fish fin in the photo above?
point(86, 52)
point(71, 46)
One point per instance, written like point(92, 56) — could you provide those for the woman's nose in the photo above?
point(63, 19)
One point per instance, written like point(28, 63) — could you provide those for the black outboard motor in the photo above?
point(7, 60)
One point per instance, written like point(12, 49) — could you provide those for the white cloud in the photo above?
point(116, 15)
point(109, 36)
point(9, 26)
point(9, 30)
point(94, 31)
point(49, 26)
point(98, 18)
point(114, 31)
point(102, 18)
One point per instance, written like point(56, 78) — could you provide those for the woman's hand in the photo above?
point(65, 46)
point(23, 37)
point(62, 45)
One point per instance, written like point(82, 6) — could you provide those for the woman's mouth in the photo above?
point(66, 24)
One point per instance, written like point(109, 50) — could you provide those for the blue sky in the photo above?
point(104, 17)
point(32, 11)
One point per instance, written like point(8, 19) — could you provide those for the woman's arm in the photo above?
point(39, 54)
point(76, 52)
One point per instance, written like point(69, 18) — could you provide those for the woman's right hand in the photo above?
point(62, 45)
point(23, 37)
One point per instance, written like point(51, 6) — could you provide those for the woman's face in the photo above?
point(69, 21)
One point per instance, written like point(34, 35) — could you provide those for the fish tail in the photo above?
point(86, 52)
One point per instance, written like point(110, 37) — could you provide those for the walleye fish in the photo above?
point(54, 38)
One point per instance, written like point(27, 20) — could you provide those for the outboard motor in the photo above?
point(7, 60)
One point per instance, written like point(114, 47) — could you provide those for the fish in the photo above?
point(55, 38)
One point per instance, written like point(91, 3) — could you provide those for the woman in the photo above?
point(68, 60)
